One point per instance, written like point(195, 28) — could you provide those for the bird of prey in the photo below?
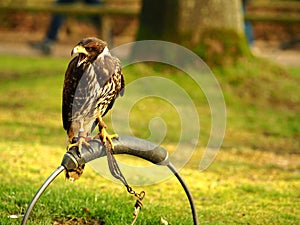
point(93, 80)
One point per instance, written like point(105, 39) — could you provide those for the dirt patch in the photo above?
point(78, 222)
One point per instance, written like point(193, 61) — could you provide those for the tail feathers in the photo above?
point(74, 174)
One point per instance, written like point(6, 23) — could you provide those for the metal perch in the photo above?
point(124, 145)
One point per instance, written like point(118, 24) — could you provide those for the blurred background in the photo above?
point(272, 25)
point(252, 48)
point(230, 38)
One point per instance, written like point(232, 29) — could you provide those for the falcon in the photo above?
point(93, 80)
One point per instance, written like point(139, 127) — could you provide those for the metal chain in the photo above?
point(116, 172)
point(138, 204)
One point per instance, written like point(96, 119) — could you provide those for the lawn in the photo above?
point(254, 179)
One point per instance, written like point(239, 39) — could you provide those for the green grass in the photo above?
point(254, 179)
point(263, 105)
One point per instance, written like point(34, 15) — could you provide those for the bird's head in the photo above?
point(88, 49)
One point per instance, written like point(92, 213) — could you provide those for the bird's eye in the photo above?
point(88, 49)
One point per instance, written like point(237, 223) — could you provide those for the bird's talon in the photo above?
point(115, 136)
point(104, 136)
point(70, 146)
point(78, 144)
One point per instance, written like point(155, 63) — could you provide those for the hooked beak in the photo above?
point(82, 54)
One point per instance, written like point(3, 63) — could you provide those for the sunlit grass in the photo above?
point(254, 179)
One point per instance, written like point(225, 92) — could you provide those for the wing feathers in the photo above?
point(72, 77)
point(106, 72)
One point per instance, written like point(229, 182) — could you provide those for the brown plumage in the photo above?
point(93, 81)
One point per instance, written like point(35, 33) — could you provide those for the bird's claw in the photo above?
point(104, 136)
point(80, 141)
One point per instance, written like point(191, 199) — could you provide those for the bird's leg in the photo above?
point(80, 140)
point(109, 147)
point(103, 135)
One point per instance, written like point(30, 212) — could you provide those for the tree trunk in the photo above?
point(213, 29)
point(158, 19)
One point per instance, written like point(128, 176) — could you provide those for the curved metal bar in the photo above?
point(40, 192)
point(124, 145)
point(187, 192)
point(142, 149)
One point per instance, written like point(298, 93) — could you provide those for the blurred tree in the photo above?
point(214, 29)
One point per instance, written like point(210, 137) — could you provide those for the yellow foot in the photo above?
point(79, 144)
point(104, 136)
